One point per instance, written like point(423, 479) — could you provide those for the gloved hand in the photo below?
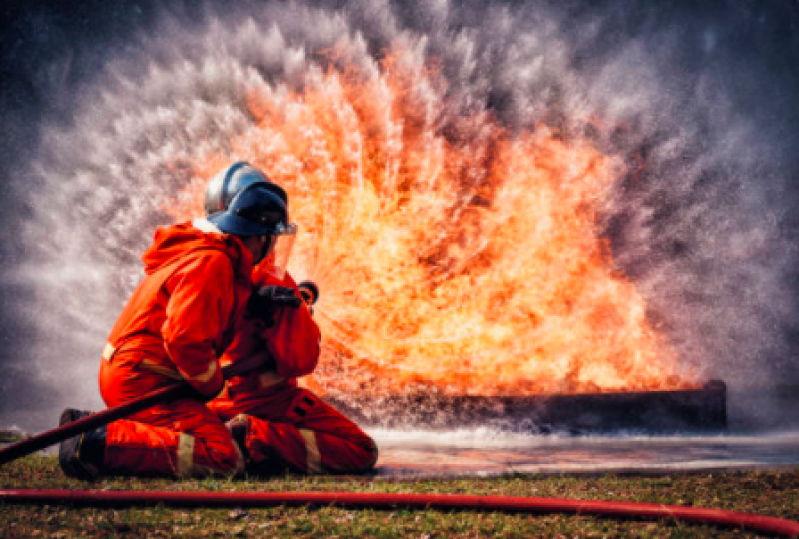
point(265, 301)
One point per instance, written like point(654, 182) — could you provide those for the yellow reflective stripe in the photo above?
point(185, 455)
point(207, 375)
point(269, 379)
point(151, 365)
point(108, 351)
point(313, 458)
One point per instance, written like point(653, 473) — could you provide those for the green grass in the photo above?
point(770, 493)
point(9, 436)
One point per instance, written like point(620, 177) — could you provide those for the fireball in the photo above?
point(454, 255)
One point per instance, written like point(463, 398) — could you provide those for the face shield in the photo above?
point(280, 246)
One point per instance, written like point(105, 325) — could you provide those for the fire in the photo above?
point(453, 255)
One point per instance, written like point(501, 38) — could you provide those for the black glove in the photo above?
point(265, 301)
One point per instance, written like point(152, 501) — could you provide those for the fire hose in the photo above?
point(619, 510)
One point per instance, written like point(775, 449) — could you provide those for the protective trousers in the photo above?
point(293, 429)
point(182, 438)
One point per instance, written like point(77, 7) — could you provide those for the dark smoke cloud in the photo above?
point(698, 100)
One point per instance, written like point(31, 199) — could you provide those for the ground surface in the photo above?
point(489, 453)
point(770, 493)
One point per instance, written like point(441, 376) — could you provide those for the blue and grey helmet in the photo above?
point(241, 200)
point(254, 211)
point(230, 181)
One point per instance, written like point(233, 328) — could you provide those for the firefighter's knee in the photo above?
point(231, 459)
point(204, 457)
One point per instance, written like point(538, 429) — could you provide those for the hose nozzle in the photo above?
point(309, 292)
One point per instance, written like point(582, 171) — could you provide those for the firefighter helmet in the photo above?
point(254, 211)
point(231, 180)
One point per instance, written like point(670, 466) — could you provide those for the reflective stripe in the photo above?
point(151, 365)
point(314, 458)
point(108, 351)
point(185, 455)
point(207, 375)
point(268, 379)
point(204, 225)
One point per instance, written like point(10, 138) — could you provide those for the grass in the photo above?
point(10, 436)
point(770, 493)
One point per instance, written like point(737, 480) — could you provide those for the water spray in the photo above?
point(523, 222)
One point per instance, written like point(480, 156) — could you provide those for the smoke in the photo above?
point(701, 122)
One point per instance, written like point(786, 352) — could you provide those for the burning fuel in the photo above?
point(494, 200)
point(469, 260)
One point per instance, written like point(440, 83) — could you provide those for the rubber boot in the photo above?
point(82, 456)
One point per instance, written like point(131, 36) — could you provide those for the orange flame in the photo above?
point(452, 255)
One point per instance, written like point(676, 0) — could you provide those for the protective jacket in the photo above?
point(184, 313)
point(173, 327)
point(288, 426)
point(285, 351)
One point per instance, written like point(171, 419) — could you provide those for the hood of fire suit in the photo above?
point(176, 241)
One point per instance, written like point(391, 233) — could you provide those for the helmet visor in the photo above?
point(280, 249)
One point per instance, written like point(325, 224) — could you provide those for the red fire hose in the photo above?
point(102, 498)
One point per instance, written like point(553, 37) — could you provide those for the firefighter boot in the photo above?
point(238, 427)
point(82, 456)
point(266, 464)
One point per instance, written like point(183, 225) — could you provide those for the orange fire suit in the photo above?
point(288, 427)
point(174, 327)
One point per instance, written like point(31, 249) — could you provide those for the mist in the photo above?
point(105, 110)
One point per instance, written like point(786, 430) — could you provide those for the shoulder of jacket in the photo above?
point(216, 257)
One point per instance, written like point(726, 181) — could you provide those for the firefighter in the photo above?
point(278, 424)
point(174, 327)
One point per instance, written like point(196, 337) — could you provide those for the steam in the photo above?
point(695, 221)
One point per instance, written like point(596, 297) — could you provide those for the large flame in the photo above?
point(453, 255)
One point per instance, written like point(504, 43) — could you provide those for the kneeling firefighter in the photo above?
point(177, 323)
point(278, 424)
